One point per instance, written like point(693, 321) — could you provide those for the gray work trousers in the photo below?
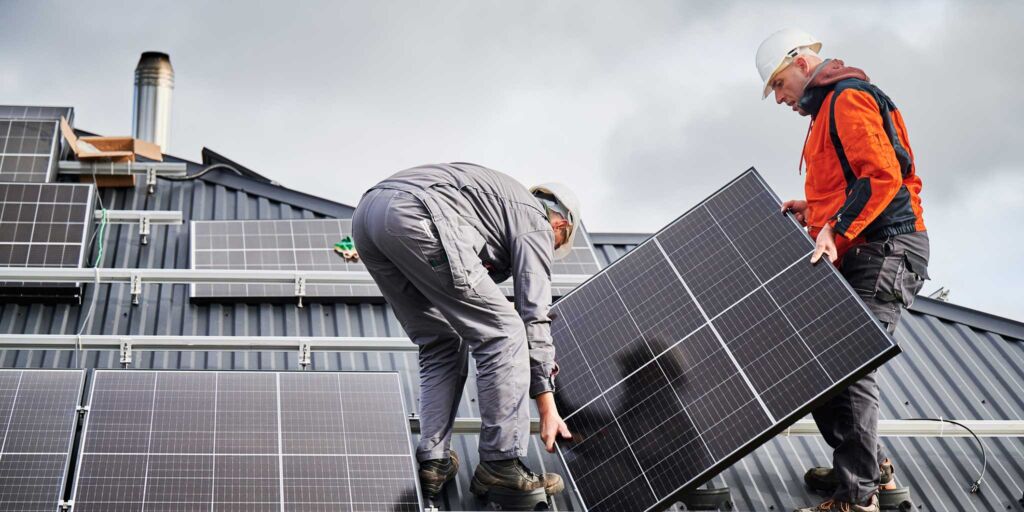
point(399, 244)
point(887, 274)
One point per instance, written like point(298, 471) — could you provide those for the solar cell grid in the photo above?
point(38, 415)
point(246, 441)
point(308, 244)
point(27, 150)
point(698, 345)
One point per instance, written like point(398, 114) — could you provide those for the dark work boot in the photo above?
point(824, 479)
point(435, 473)
point(512, 475)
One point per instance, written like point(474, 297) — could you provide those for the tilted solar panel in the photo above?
point(44, 225)
point(38, 414)
point(699, 345)
point(246, 441)
point(308, 244)
point(28, 150)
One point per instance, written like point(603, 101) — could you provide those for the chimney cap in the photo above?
point(154, 68)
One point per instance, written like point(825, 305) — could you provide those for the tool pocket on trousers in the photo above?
point(902, 277)
point(862, 267)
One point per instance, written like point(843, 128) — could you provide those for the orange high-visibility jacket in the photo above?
point(861, 177)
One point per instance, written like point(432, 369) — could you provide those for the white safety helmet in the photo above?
point(778, 51)
point(559, 198)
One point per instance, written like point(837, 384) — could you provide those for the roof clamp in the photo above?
point(300, 288)
point(66, 505)
point(136, 288)
point(126, 351)
point(305, 354)
point(144, 225)
point(81, 410)
point(150, 179)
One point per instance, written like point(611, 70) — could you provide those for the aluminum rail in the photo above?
point(886, 428)
point(157, 342)
point(136, 216)
point(175, 169)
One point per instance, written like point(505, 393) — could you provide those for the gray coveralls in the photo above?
point(887, 274)
point(436, 239)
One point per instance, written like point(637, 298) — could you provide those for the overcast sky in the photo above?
point(644, 107)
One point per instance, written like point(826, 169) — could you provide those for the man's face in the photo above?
point(788, 84)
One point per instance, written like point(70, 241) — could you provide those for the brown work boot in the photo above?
point(435, 473)
point(512, 475)
point(824, 479)
point(842, 506)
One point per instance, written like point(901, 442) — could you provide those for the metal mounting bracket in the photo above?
point(82, 409)
point(66, 505)
point(150, 179)
point(305, 354)
point(126, 351)
point(300, 288)
point(144, 225)
point(136, 288)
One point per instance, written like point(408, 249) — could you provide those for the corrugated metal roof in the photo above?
point(957, 363)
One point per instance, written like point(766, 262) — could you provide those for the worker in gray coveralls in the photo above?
point(437, 239)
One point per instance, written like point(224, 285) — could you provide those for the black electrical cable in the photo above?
point(976, 484)
point(202, 172)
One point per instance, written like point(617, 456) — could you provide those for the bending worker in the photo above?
point(863, 208)
point(437, 239)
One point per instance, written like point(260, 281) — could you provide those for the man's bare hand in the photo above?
point(551, 424)
point(826, 244)
point(798, 207)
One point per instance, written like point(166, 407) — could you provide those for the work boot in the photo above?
point(842, 506)
point(824, 479)
point(512, 475)
point(435, 473)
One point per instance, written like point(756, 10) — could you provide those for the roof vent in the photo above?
point(151, 106)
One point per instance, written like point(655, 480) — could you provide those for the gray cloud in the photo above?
point(644, 108)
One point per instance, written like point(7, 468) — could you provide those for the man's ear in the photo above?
point(801, 62)
point(559, 222)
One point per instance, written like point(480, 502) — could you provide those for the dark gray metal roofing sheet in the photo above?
point(958, 363)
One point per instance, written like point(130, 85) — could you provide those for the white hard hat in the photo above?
point(779, 49)
point(559, 198)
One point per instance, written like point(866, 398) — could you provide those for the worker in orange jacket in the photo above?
point(863, 208)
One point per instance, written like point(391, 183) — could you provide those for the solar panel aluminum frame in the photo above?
point(56, 150)
point(80, 449)
point(70, 458)
point(34, 293)
point(781, 424)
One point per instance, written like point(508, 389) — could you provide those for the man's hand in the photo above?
point(826, 244)
point(798, 207)
point(551, 424)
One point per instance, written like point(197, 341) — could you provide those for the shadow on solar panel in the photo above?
point(699, 345)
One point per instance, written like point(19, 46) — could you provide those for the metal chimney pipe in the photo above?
point(151, 106)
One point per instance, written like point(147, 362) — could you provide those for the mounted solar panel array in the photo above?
point(44, 225)
point(308, 244)
point(699, 345)
point(38, 414)
point(245, 441)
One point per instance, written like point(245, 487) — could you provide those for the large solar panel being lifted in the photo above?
point(28, 150)
point(308, 244)
point(43, 225)
point(699, 345)
point(38, 413)
point(246, 441)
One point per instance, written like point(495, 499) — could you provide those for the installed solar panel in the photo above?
point(246, 441)
point(38, 413)
point(43, 225)
point(699, 345)
point(308, 244)
point(28, 150)
point(30, 112)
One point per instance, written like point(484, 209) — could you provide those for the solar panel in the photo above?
point(246, 441)
point(699, 345)
point(31, 112)
point(28, 150)
point(308, 244)
point(38, 414)
point(43, 225)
